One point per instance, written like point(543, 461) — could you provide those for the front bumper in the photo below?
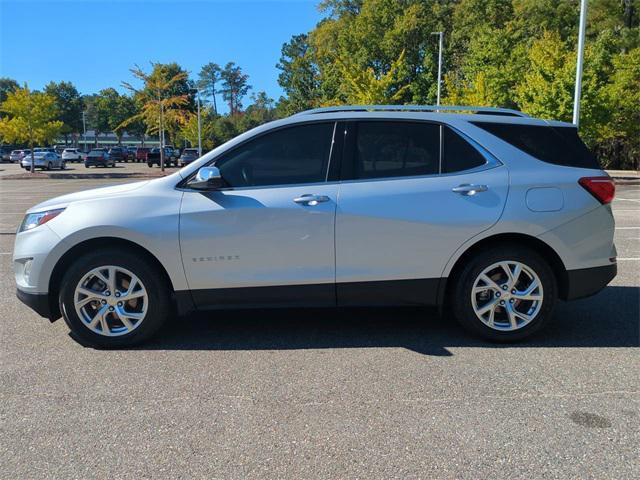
point(39, 303)
point(589, 281)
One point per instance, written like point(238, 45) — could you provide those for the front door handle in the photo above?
point(311, 199)
point(469, 189)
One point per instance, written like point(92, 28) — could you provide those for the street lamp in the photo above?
point(440, 37)
point(197, 92)
point(199, 125)
point(578, 90)
point(84, 134)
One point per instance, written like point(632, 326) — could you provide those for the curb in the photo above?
point(81, 176)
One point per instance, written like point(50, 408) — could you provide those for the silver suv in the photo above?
point(489, 212)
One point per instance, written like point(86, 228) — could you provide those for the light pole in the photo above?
point(440, 37)
point(199, 125)
point(578, 90)
point(84, 130)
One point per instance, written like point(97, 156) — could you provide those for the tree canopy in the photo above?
point(31, 118)
point(507, 53)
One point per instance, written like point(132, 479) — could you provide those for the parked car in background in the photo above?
point(44, 149)
point(153, 157)
point(131, 153)
point(188, 156)
point(43, 160)
point(141, 154)
point(5, 154)
point(99, 158)
point(118, 154)
point(72, 155)
point(17, 155)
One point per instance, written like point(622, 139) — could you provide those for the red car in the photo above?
point(141, 154)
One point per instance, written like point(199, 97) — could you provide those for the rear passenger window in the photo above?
point(459, 154)
point(397, 149)
point(557, 145)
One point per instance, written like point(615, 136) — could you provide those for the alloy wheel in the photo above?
point(507, 295)
point(111, 301)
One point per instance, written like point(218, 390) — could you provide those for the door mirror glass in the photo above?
point(207, 178)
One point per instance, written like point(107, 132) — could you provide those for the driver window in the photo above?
point(292, 155)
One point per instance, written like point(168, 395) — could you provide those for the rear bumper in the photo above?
point(39, 303)
point(588, 281)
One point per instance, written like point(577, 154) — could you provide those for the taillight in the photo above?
point(602, 188)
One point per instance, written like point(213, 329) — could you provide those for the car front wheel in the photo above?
point(505, 294)
point(113, 298)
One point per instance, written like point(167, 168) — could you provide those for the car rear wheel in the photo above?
point(49, 166)
point(114, 299)
point(505, 294)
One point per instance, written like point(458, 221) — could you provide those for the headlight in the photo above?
point(33, 220)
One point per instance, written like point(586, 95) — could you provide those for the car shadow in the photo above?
point(609, 319)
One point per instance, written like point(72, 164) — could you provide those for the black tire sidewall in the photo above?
point(461, 299)
point(158, 292)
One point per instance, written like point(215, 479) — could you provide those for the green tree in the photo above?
point(97, 114)
point(115, 109)
point(31, 119)
point(260, 111)
point(234, 86)
point(364, 87)
point(7, 85)
point(299, 75)
point(621, 135)
point(69, 104)
point(189, 131)
point(208, 79)
point(164, 100)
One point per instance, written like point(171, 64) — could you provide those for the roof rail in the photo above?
point(416, 108)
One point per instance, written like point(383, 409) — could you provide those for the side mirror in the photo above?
point(207, 178)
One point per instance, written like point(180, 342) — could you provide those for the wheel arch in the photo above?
point(535, 244)
point(90, 245)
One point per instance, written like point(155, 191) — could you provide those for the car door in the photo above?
point(406, 205)
point(267, 238)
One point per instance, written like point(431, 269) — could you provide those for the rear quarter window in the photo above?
point(557, 145)
point(459, 155)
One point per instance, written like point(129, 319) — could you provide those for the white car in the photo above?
point(73, 155)
point(44, 160)
point(495, 214)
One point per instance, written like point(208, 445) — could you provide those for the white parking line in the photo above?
point(627, 228)
point(628, 259)
point(628, 199)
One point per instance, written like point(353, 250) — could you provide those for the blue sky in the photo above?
point(93, 43)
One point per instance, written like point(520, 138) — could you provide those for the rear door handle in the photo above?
point(311, 199)
point(469, 189)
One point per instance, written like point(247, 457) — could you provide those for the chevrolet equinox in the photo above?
point(489, 212)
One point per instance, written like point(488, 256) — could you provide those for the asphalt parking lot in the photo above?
point(369, 393)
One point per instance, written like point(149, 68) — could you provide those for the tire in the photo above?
point(49, 166)
point(155, 308)
point(503, 329)
point(86, 166)
point(149, 164)
point(63, 166)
